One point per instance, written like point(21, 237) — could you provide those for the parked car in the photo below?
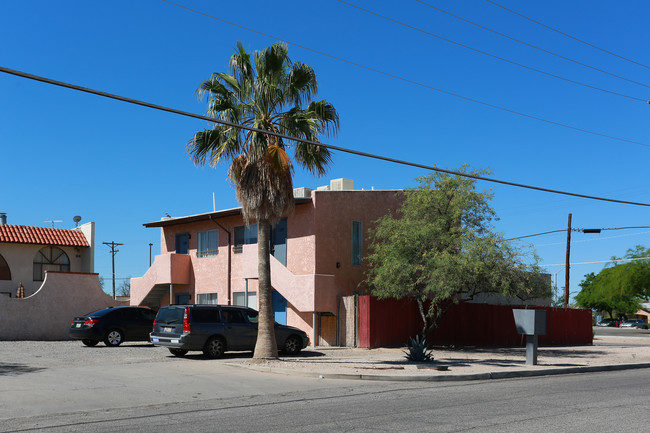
point(633, 323)
point(612, 323)
point(113, 326)
point(215, 329)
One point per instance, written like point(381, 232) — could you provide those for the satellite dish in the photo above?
point(76, 219)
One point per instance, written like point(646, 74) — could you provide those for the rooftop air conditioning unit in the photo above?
point(341, 184)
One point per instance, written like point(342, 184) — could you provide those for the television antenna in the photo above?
point(53, 221)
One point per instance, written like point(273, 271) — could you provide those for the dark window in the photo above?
point(357, 233)
point(170, 315)
point(205, 315)
point(50, 259)
point(233, 316)
point(148, 314)
point(5, 272)
point(245, 235)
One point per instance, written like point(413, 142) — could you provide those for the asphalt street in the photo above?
point(65, 387)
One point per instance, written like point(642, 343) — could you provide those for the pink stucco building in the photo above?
point(318, 257)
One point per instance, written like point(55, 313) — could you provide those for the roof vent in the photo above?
point(302, 192)
point(3, 219)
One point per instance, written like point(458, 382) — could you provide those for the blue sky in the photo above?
point(65, 153)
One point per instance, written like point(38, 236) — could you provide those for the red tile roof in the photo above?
point(42, 236)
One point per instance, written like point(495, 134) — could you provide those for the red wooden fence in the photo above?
point(390, 323)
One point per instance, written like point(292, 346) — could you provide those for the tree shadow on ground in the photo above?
point(7, 369)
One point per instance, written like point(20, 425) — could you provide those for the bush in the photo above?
point(418, 351)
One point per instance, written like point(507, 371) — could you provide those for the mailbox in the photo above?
point(530, 322)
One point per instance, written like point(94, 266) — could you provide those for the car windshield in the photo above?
point(170, 315)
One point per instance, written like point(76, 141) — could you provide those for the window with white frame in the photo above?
point(206, 298)
point(208, 243)
point(357, 237)
point(240, 299)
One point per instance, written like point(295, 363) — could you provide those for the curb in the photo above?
point(448, 378)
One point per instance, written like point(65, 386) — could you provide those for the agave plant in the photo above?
point(418, 351)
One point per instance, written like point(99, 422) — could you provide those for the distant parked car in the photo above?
point(612, 323)
point(215, 329)
point(633, 323)
point(113, 326)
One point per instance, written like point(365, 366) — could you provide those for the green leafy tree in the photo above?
point(440, 249)
point(620, 288)
point(271, 93)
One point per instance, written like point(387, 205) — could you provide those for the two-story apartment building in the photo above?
point(318, 257)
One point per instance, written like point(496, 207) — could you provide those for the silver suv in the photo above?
point(215, 329)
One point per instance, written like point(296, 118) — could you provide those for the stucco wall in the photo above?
point(20, 258)
point(47, 314)
point(335, 212)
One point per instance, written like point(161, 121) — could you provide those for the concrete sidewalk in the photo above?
point(474, 363)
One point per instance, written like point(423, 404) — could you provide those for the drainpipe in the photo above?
point(338, 312)
point(313, 324)
point(171, 294)
point(246, 292)
point(229, 262)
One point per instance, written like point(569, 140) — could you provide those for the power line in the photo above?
point(315, 143)
point(579, 230)
point(568, 35)
point(531, 45)
point(503, 59)
point(407, 80)
point(596, 262)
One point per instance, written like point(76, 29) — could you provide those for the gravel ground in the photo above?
point(605, 351)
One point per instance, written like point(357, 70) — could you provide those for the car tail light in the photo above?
point(91, 322)
point(186, 320)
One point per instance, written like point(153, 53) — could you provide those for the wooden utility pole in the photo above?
point(113, 252)
point(568, 253)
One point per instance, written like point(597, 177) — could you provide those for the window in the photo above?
point(245, 235)
point(208, 243)
point(357, 234)
point(252, 316)
point(5, 273)
point(50, 259)
point(205, 315)
point(239, 298)
point(232, 316)
point(206, 298)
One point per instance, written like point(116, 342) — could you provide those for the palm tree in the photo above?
point(268, 93)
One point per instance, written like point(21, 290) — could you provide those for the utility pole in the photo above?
point(113, 252)
point(568, 252)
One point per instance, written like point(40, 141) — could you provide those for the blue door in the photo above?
point(279, 241)
point(182, 243)
point(279, 308)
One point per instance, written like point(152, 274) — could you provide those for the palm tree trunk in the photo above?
point(266, 347)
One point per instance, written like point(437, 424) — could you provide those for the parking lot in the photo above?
point(49, 377)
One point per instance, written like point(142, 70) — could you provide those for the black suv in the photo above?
point(113, 326)
point(215, 329)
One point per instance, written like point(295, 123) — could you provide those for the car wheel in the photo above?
point(89, 343)
point(178, 352)
point(292, 345)
point(114, 337)
point(214, 348)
